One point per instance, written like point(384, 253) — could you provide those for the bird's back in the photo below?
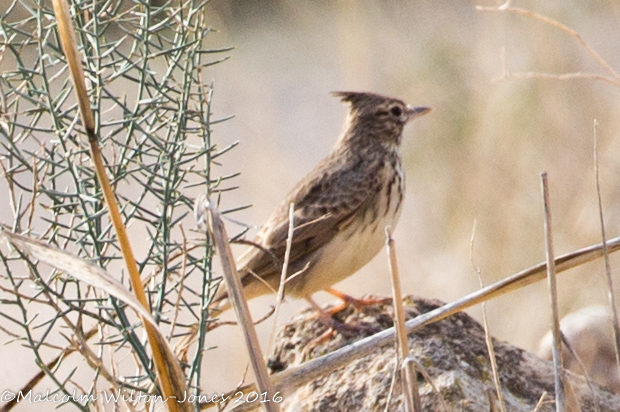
point(336, 206)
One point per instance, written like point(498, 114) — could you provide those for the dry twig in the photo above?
point(487, 334)
point(239, 303)
point(411, 391)
point(553, 293)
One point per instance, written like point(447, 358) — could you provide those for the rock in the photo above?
point(452, 352)
point(589, 332)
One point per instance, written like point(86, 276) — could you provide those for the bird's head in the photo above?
point(377, 117)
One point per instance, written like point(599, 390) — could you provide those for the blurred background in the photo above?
point(477, 156)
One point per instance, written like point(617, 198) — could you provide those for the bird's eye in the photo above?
point(396, 111)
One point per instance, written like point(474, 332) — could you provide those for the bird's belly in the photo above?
point(346, 253)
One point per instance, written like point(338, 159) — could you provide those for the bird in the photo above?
point(340, 209)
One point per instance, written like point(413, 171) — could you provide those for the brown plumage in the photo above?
point(341, 207)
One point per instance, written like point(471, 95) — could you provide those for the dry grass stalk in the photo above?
point(427, 377)
point(541, 402)
point(287, 255)
point(610, 284)
point(487, 334)
point(409, 379)
point(582, 368)
point(553, 292)
point(239, 303)
point(172, 384)
point(391, 390)
point(571, 398)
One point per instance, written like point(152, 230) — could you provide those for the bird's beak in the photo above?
point(413, 112)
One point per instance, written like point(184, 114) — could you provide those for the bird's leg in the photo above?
point(332, 326)
point(336, 326)
point(358, 304)
point(326, 317)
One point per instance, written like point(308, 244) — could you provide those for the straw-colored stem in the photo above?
point(487, 334)
point(411, 391)
point(240, 305)
point(284, 273)
point(609, 279)
point(553, 294)
point(67, 35)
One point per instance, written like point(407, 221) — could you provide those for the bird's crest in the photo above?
point(355, 98)
point(360, 100)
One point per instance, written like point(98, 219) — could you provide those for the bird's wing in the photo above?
point(324, 204)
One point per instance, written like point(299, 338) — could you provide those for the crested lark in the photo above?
point(341, 207)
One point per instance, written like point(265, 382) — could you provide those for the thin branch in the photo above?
point(283, 275)
point(608, 277)
point(239, 303)
point(485, 324)
point(553, 293)
point(411, 391)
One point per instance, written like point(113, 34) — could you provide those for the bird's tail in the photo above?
point(221, 301)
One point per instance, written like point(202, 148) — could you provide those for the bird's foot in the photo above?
point(357, 303)
point(337, 326)
point(334, 326)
